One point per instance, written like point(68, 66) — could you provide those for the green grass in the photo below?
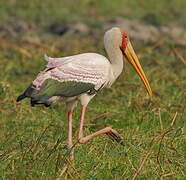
point(33, 140)
point(153, 12)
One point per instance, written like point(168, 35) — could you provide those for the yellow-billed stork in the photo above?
point(81, 77)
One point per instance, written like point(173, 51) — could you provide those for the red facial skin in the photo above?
point(124, 40)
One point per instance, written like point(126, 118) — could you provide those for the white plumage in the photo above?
point(88, 68)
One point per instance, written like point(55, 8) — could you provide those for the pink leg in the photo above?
point(113, 134)
point(69, 142)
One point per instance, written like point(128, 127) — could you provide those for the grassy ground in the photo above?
point(33, 140)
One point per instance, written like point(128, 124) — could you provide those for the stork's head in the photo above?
point(121, 40)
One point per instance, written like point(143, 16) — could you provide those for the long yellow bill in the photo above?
point(133, 60)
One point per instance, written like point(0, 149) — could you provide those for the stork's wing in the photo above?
point(68, 77)
point(53, 87)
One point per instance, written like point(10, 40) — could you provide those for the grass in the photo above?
point(64, 10)
point(33, 140)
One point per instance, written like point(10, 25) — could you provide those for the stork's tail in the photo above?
point(21, 97)
point(29, 92)
point(32, 93)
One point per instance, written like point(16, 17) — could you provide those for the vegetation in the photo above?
point(33, 140)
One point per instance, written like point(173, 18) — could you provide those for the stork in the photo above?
point(79, 78)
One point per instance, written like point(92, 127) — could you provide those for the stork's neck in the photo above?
point(115, 58)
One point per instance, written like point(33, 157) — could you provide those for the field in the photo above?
point(33, 139)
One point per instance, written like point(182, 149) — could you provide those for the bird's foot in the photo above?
point(114, 135)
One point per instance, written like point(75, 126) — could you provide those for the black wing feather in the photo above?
point(53, 87)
